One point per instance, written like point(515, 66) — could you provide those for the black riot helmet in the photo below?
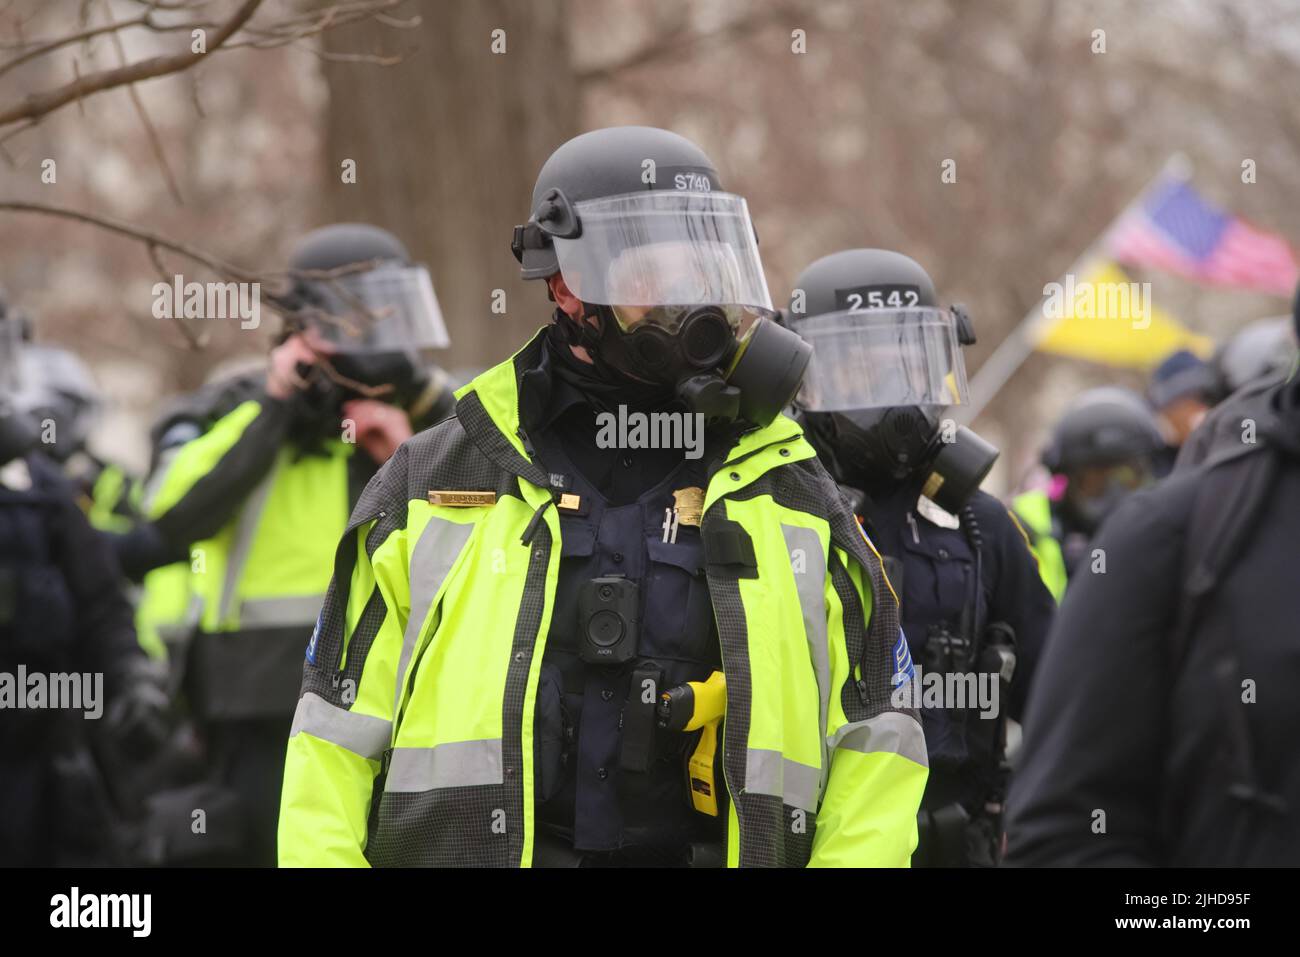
point(636, 221)
point(886, 362)
point(1106, 445)
point(1103, 426)
point(372, 311)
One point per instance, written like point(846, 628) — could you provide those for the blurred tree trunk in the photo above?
point(447, 145)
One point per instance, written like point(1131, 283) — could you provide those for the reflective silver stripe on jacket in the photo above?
point(769, 772)
point(361, 734)
point(242, 544)
point(439, 546)
point(809, 583)
point(457, 764)
point(891, 731)
point(280, 612)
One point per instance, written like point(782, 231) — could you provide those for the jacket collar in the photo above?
point(488, 409)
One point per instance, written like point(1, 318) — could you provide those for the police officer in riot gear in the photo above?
point(886, 362)
point(61, 395)
point(602, 803)
point(585, 578)
point(64, 623)
point(254, 481)
point(1106, 447)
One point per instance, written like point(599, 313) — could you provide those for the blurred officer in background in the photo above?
point(254, 484)
point(886, 362)
point(521, 584)
point(60, 395)
point(1183, 388)
point(64, 624)
point(167, 609)
point(63, 396)
point(1261, 349)
point(1251, 365)
point(1161, 729)
point(1101, 451)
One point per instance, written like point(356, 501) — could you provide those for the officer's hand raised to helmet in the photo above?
point(380, 427)
point(283, 376)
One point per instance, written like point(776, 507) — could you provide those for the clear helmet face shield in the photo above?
point(389, 308)
point(658, 257)
point(882, 358)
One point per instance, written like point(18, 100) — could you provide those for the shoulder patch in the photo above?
point(315, 634)
point(903, 669)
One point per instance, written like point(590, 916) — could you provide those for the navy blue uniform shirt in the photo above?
point(584, 712)
point(933, 569)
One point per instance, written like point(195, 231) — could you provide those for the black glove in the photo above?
point(138, 717)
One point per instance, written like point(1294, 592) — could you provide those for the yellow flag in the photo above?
point(1106, 317)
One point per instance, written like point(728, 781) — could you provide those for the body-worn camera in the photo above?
point(607, 620)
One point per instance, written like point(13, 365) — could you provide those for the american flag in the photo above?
point(1178, 231)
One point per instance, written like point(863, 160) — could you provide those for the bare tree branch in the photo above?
point(40, 104)
point(154, 142)
point(289, 31)
point(21, 127)
point(670, 44)
point(328, 56)
point(146, 236)
point(293, 31)
point(295, 314)
point(195, 342)
point(49, 46)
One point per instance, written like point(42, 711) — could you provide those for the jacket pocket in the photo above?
point(548, 733)
point(677, 617)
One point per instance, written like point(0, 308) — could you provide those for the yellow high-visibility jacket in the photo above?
point(413, 739)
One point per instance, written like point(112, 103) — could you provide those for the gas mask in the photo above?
point(888, 442)
point(704, 363)
point(879, 380)
point(675, 282)
point(890, 445)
